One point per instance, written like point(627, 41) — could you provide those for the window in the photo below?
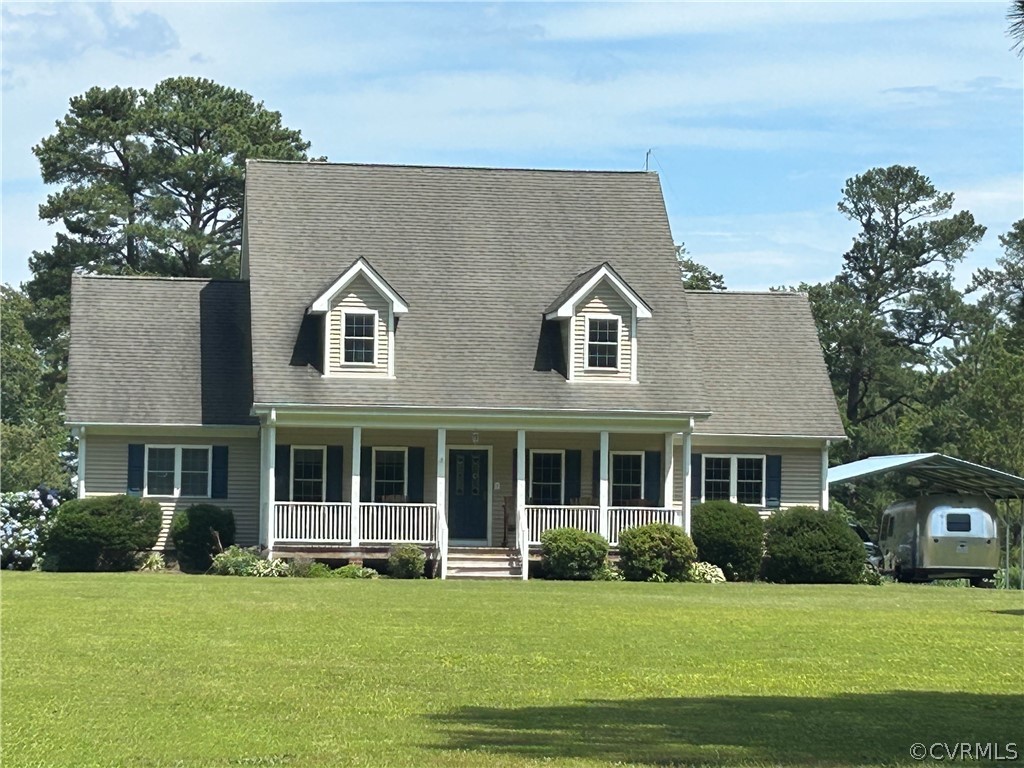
point(389, 473)
point(603, 342)
point(739, 479)
point(627, 478)
point(546, 474)
point(308, 473)
point(360, 332)
point(177, 470)
point(958, 522)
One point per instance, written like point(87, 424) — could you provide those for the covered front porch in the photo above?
point(350, 491)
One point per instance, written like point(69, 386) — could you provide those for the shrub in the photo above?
point(101, 533)
point(406, 561)
point(199, 532)
point(731, 536)
point(151, 561)
point(24, 519)
point(354, 571)
point(317, 571)
point(806, 546)
point(656, 552)
point(264, 568)
point(236, 561)
point(569, 554)
point(870, 575)
point(706, 573)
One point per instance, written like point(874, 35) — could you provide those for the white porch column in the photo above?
point(441, 497)
point(271, 480)
point(520, 474)
point(81, 462)
point(824, 475)
point(266, 498)
point(355, 485)
point(669, 470)
point(687, 477)
point(603, 491)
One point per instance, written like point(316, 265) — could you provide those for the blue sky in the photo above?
point(757, 112)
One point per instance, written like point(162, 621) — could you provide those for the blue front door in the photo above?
point(467, 494)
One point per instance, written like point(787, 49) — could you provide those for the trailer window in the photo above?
point(958, 522)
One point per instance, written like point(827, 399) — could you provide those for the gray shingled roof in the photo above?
point(478, 254)
point(151, 350)
point(764, 371)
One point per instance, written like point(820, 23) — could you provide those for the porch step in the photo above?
point(483, 563)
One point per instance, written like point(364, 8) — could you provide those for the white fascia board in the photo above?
point(361, 267)
point(568, 309)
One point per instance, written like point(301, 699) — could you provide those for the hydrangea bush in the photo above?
point(24, 519)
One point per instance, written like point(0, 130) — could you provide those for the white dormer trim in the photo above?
point(322, 304)
point(605, 273)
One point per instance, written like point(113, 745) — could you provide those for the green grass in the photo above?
point(172, 670)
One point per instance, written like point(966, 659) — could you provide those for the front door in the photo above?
point(467, 495)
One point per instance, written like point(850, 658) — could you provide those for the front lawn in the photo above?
point(172, 670)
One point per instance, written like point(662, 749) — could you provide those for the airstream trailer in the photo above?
point(940, 537)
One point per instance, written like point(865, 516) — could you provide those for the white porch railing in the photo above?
point(544, 518)
point(621, 518)
point(398, 523)
point(318, 522)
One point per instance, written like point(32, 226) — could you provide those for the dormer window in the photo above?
point(603, 342)
point(360, 333)
point(360, 311)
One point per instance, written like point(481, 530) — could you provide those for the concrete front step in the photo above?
point(483, 563)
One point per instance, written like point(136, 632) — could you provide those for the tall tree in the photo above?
point(1005, 285)
point(1016, 29)
point(882, 318)
point(697, 277)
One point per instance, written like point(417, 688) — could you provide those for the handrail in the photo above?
point(523, 541)
point(442, 543)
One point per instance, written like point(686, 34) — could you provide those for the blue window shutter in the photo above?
point(335, 470)
point(652, 477)
point(573, 480)
point(696, 481)
point(595, 476)
point(136, 468)
point(282, 472)
point(414, 483)
point(219, 481)
point(365, 473)
point(773, 482)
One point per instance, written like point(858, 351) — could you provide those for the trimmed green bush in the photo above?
point(804, 545)
point(235, 561)
point(569, 554)
point(730, 536)
point(656, 552)
point(406, 561)
point(199, 532)
point(354, 571)
point(101, 533)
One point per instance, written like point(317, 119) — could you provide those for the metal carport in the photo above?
point(938, 473)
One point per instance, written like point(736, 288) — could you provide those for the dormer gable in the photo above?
point(359, 318)
point(598, 313)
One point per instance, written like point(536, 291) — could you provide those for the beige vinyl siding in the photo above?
point(604, 300)
point(106, 472)
point(358, 295)
point(801, 471)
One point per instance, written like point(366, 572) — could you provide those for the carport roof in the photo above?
point(938, 474)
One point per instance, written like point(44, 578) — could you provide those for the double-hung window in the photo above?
point(739, 479)
point(603, 342)
point(308, 479)
point(547, 474)
point(360, 334)
point(390, 467)
point(178, 470)
point(627, 477)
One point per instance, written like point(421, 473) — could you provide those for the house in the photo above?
point(454, 357)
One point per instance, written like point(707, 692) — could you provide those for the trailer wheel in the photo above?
point(982, 583)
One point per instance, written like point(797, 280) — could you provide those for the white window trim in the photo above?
point(323, 471)
point(404, 450)
point(733, 457)
point(177, 471)
point(611, 471)
point(561, 484)
point(586, 343)
point(345, 312)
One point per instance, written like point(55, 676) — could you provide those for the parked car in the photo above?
point(872, 552)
